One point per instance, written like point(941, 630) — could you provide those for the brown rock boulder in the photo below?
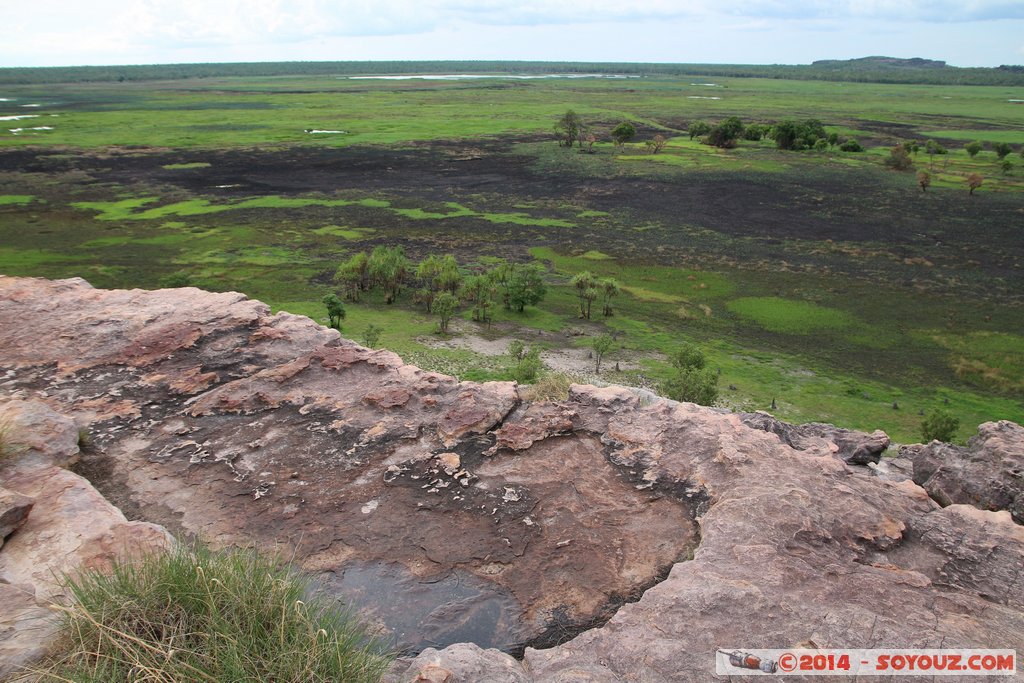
point(988, 473)
point(856, 448)
point(48, 436)
point(460, 663)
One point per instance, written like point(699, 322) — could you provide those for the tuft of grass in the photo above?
point(552, 386)
point(8, 446)
point(16, 199)
point(186, 166)
point(191, 614)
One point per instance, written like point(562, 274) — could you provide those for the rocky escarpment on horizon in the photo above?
point(454, 511)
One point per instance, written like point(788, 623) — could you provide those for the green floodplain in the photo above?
point(824, 281)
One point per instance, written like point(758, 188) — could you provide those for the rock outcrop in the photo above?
point(62, 525)
point(856, 448)
point(988, 473)
point(499, 521)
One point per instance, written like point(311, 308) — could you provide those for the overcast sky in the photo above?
point(73, 32)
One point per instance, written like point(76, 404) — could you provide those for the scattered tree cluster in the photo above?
point(442, 286)
point(798, 135)
point(590, 288)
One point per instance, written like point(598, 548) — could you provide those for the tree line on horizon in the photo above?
point(867, 70)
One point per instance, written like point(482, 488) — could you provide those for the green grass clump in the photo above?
point(15, 199)
point(192, 614)
point(185, 166)
point(790, 316)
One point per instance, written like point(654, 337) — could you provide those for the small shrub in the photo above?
point(693, 385)
point(693, 381)
point(851, 145)
point(371, 335)
point(174, 280)
point(528, 365)
point(197, 615)
point(939, 425)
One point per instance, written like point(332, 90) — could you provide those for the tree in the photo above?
point(726, 133)
point(388, 267)
point(335, 310)
point(899, 159)
point(602, 346)
point(584, 283)
point(516, 349)
point(1002, 149)
point(444, 306)
point(698, 128)
point(354, 275)
point(427, 273)
point(1006, 165)
point(974, 181)
point(478, 291)
point(525, 286)
point(693, 381)
point(371, 335)
point(588, 139)
point(656, 144)
point(972, 148)
point(623, 133)
point(568, 128)
point(932, 148)
point(610, 289)
point(437, 274)
point(938, 425)
point(924, 179)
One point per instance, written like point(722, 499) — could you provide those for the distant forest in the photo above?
point(867, 69)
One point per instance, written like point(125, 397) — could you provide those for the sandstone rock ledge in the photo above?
point(496, 520)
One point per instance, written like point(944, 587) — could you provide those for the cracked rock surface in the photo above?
point(452, 511)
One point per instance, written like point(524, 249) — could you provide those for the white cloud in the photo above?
point(113, 31)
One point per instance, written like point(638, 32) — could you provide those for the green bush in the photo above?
point(851, 145)
point(939, 425)
point(198, 615)
point(693, 381)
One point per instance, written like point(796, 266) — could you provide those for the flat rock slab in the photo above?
point(364, 467)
